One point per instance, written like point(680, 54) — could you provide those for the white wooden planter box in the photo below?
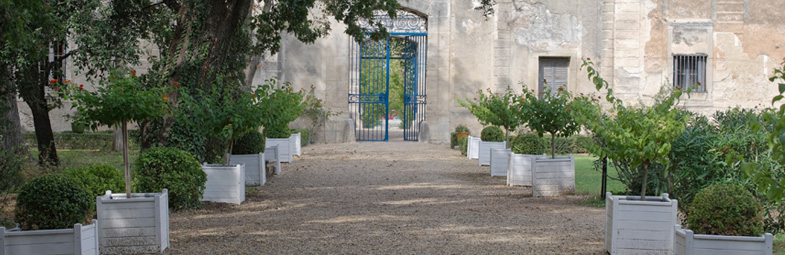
point(255, 170)
point(284, 148)
point(295, 144)
point(473, 147)
point(685, 242)
point(519, 169)
point(132, 226)
point(633, 226)
point(77, 240)
point(273, 155)
point(499, 160)
point(553, 176)
point(224, 184)
point(484, 155)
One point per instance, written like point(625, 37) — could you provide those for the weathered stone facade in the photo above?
point(633, 42)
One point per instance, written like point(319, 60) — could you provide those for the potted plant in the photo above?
point(524, 149)
point(492, 109)
point(122, 99)
point(549, 112)
point(641, 136)
point(728, 219)
point(228, 113)
point(282, 106)
point(491, 138)
point(51, 211)
point(248, 150)
point(461, 131)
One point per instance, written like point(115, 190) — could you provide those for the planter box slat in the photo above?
point(553, 177)
point(136, 225)
point(638, 227)
point(473, 147)
point(484, 156)
point(295, 144)
point(519, 169)
point(284, 148)
point(255, 168)
point(78, 240)
point(224, 184)
point(685, 242)
point(499, 160)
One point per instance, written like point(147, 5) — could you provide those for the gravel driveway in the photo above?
point(389, 198)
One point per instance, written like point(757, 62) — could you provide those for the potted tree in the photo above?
point(122, 99)
point(524, 149)
point(492, 109)
point(641, 136)
point(249, 151)
point(282, 106)
point(726, 219)
point(461, 131)
point(51, 211)
point(228, 113)
point(491, 138)
point(549, 112)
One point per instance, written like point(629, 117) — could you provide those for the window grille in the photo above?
point(689, 71)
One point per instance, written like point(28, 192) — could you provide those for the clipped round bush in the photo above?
point(249, 143)
point(174, 169)
point(464, 143)
point(453, 140)
point(529, 143)
point(52, 202)
point(461, 128)
point(97, 179)
point(282, 131)
point(492, 134)
point(725, 209)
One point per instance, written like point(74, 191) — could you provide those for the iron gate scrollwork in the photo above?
point(370, 65)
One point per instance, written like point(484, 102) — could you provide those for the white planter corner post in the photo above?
point(225, 184)
point(519, 169)
point(255, 169)
point(77, 240)
point(686, 242)
point(484, 153)
point(473, 147)
point(633, 226)
point(284, 148)
point(139, 224)
point(296, 144)
point(499, 160)
point(553, 176)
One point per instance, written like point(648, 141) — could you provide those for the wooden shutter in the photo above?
point(554, 71)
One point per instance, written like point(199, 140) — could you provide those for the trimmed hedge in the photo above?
point(87, 141)
point(568, 145)
point(174, 169)
point(726, 209)
point(464, 143)
point(52, 202)
point(97, 179)
point(529, 143)
point(249, 143)
point(492, 134)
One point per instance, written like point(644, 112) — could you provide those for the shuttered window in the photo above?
point(553, 73)
point(689, 71)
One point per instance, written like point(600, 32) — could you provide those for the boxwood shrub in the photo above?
point(464, 143)
point(528, 143)
point(725, 209)
point(492, 134)
point(282, 131)
point(249, 143)
point(52, 202)
point(97, 179)
point(174, 169)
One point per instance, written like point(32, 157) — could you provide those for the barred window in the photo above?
point(690, 71)
point(57, 49)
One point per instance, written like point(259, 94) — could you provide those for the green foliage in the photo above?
point(461, 128)
point(495, 109)
point(249, 143)
point(567, 145)
point(725, 209)
point(84, 141)
point(528, 143)
point(492, 134)
point(453, 139)
point(281, 106)
point(464, 143)
point(169, 168)
point(548, 112)
point(639, 136)
point(11, 166)
point(315, 111)
point(97, 179)
point(282, 131)
point(52, 202)
point(304, 136)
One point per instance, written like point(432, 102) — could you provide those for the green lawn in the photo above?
point(589, 181)
point(75, 158)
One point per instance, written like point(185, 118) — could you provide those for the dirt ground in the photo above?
point(389, 198)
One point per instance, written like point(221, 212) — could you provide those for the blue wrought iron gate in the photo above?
point(369, 78)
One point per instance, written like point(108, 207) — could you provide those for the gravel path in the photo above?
point(389, 198)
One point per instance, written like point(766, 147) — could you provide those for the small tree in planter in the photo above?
point(547, 113)
point(641, 136)
point(120, 99)
point(282, 106)
point(494, 109)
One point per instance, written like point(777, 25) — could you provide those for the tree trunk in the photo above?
point(553, 146)
point(11, 129)
point(126, 163)
point(645, 180)
point(117, 140)
point(47, 153)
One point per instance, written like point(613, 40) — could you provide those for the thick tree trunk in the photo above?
point(12, 129)
point(47, 153)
